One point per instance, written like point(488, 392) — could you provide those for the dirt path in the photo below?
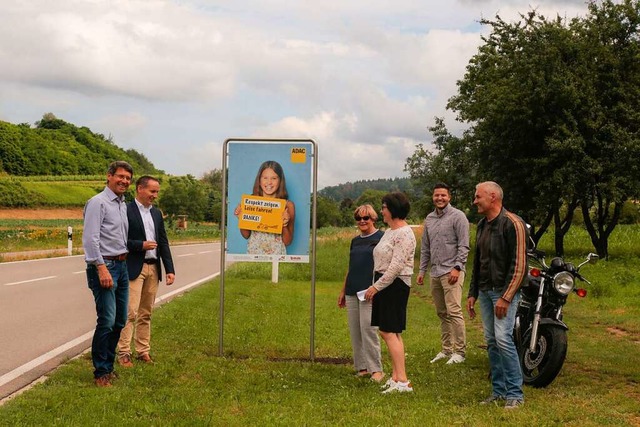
point(69, 213)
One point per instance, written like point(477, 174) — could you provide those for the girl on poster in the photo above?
point(270, 182)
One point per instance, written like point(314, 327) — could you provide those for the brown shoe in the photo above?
point(125, 361)
point(113, 375)
point(103, 381)
point(145, 358)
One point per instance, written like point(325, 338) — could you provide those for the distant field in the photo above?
point(48, 191)
point(31, 214)
point(44, 229)
point(70, 193)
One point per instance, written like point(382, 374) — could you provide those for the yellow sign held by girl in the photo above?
point(261, 213)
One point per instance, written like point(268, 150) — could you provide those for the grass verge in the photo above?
point(263, 379)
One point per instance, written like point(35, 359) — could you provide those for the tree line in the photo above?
point(553, 114)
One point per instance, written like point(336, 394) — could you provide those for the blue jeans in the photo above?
point(111, 310)
point(506, 374)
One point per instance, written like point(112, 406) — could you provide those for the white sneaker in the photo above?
point(399, 387)
point(439, 356)
point(390, 383)
point(456, 358)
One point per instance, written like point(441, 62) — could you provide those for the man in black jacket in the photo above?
point(148, 245)
point(499, 270)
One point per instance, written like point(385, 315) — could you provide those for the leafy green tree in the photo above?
point(327, 213)
point(372, 197)
point(12, 160)
point(610, 51)
point(213, 183)
point(553, 109)
point(521, 96)
point(184, 195)
point(451, 162)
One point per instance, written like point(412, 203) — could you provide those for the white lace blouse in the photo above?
point(393, 256)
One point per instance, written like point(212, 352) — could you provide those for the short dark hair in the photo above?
point(397, 204)
point(119, 164)
point(144, 180)
point(442, 185)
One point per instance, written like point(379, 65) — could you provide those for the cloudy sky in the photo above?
point(175, 78)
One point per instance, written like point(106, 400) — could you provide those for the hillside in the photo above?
point(55, 147)
point(353, 190)
point(57, 164)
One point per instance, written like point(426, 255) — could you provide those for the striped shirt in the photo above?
point(105, 227)
point(445, 241)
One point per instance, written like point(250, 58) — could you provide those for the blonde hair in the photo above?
point(366, 210)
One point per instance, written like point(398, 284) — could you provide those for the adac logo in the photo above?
point(298, 155)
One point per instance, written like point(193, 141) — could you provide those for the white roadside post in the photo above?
point(274, 271)
point(69, 240)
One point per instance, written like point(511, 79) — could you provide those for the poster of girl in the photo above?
point(270, 182)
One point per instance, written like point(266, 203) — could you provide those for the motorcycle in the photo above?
point(539, 333)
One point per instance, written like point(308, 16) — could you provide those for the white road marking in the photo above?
point(205, 252)
point(79, 272)
point(21, 370)
point(30, 280)
point(183, 255)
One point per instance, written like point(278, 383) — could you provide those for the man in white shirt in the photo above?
point(148, 244)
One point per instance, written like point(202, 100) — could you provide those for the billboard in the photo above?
point(268, 201)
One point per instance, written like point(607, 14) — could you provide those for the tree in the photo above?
point(520, 94)
point(553, 114)
point(327, 213)
point(451, 162)
point(213, 183)
point(184, 195)
point(50, 121)
point(610, 50)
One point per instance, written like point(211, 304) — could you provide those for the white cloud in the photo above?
point(174, 79)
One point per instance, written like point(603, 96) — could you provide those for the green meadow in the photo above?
point(31, 235)
point(265, 376)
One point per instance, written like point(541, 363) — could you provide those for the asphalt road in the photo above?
point(47, 313)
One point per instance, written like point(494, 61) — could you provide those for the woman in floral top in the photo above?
point(393, 259)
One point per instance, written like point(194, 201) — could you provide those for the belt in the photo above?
point(120, 257)
point(150, 260)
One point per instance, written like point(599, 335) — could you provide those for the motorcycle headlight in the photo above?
point(563, 282)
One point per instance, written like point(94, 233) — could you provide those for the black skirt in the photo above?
point(389, 309)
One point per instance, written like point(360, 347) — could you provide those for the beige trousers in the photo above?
point(142, 296)
point(448, 301)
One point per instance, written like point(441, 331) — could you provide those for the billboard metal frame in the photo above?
point(223, 236)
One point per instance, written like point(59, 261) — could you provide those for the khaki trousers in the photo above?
point(447, 299)
point(142, 296)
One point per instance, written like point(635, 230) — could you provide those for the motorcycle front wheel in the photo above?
point(541, 367)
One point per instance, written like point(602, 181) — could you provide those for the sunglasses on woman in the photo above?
point(362, 218)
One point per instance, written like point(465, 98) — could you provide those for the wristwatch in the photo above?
point(457, 267)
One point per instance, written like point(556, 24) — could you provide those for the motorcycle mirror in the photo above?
point(593, 258)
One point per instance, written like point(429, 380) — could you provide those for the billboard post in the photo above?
point(269, 208)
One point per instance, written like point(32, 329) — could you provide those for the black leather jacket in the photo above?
point(509, 265)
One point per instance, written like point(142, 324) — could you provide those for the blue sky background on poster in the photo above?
point(243, 164)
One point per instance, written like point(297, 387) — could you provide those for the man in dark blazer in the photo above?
point(148, 244)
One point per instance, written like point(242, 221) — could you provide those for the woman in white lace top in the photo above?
point(393, 260)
